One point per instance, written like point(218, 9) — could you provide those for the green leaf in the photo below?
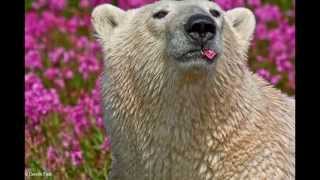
point(99, 137)
point(73, 3)
point(35, 166)
point(27, 5)
point(55, 120)
point(77, 81)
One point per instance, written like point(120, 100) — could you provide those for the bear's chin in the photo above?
point(195, 70)
point(198, 64)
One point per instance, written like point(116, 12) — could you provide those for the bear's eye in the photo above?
point(215, 13)
point(160, 14)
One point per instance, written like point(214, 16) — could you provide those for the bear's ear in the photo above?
point(105, 18)
point(243, 20)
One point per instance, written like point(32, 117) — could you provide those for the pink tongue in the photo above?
point(208, 53)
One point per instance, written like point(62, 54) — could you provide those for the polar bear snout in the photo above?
point(200, 28)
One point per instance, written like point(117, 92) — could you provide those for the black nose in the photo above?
point(200, 28)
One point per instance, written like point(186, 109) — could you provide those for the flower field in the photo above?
point(64, 128)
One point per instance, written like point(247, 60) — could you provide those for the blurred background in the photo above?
point(64, 130)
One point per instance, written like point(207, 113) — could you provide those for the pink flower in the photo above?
point(39, 4)
point(225, 4)
point(29, 42)
point(254, 3)
point(97, 2)
point(39, 101)
point(228, 4)
point(65, 57)
point(130, 4)
point(33, 60)
point(278, 46)
point(268, 13)
point(57, 4)
point(73, 24)
point(88, 65)
point(106, 145)
point(56, 54)
point(84, 3)
point(68, 74)
point(264, 73)
point(52, 73)
point(66, 139)
point(76, 157)
point(78, 117)
point(51, 153)
point(275, 79)
point(283, 63)
point(30, 80)
point(261, 31)
point(85, 21)
point(82, 42)
point(33, 25)
point(49, 19)
point(60, 83)
point(95, 47)
point(260, 58)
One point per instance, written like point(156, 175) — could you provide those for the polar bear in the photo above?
point(179, 98)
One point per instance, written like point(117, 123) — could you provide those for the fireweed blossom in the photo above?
point(39, 101)
point(33, 59)
point(76, 157)
point(128, 4)
point(64, 124)
point(106, 144)
point(53, 158)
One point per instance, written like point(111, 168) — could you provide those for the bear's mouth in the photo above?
point(203, 54)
